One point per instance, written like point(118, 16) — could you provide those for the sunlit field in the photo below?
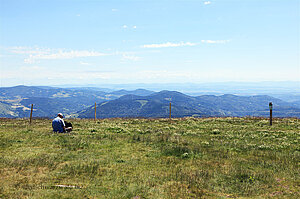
point(151, 158)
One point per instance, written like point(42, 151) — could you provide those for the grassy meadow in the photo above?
point(151, 158)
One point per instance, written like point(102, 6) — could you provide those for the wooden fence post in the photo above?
point(30, 119)
point(95, 111)
point(271, 109)
point(170, 111)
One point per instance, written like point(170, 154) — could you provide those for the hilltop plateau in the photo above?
point(151, 158)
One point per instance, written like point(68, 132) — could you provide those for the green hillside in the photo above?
point(15, 102)
point(140, 103)
point(6, 110)
point(151, 158)
point(156, 105)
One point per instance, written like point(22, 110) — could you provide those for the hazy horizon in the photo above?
point(162, 83)
point(286, 88)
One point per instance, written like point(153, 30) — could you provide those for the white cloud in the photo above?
point(30, 60)
point(29, 50)
point(69, 54)
point(64, 55)
point(36, 53)
point(169, 44)
point(130, 57)
point(114, 10)
point(78, 15)
point(207, 2)
point(129, 27)
point(215, 41)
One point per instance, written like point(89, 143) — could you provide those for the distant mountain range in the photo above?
point(157, 105)
point(79, 102)
point(48, 101)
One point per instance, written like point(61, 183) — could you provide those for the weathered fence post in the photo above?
point(170, 111)
point(270, 107)
point(30, 119)
point(95, 111)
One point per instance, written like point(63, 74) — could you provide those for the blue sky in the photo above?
point(155, 41)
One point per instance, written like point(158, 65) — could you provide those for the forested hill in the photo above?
point(157, 105)
point(79, 102)
point(48, 101)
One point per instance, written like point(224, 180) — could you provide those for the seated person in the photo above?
point(58, 124)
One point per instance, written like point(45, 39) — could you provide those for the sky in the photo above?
point(56, 42)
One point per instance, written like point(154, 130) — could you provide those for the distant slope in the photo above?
point(49, 107)
point(139, 92)
point(232, 105)
point(50, 92)
point(157, 105)
point(48, 101)
point(6, 110)
point(79, 102)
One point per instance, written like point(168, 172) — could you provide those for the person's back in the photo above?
point(58, 125)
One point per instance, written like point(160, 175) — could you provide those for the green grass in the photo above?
point(155, 158)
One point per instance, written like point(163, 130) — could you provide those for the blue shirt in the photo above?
point(58, 124)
